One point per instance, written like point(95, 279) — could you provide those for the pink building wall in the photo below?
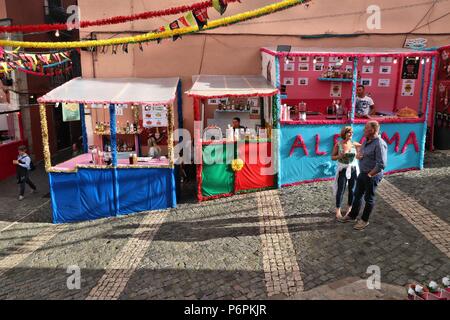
point(236, 49)
point(384, 97)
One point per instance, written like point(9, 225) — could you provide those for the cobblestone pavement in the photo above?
point(274, 244)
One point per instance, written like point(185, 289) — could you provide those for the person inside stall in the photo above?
point(237, 124)
point(153, 150)
point(365, 107)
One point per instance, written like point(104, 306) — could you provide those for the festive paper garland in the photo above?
point(10, 66)
point(41, 74)
point(112, 20)
point(237, 165)
point(159, 35)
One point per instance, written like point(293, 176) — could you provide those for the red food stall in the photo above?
point(232, 161)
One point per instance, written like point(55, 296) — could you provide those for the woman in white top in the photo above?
point(344, 153)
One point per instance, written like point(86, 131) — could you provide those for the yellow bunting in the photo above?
point(44, 129)
point(170, 135)
point(159, 35)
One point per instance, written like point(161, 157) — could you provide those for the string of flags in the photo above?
point(172, 30)
point(48, 64)
point(218, 4)
point(196, 17)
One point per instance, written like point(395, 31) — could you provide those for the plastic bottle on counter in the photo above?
point(130, 158)
point(93, 153)
point(236, 135)
point(230, 133)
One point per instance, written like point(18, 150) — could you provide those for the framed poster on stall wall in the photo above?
point(336, 90)
point(384, 83)
point(444, 73)
point(385, 69)
point(154, 116)
point(410, 69)
point(408, 88)
point(303, 67)
point(303, 59)
point(319, 67)
point(366, 82)
point(386, 60)
point(289, 66)
point(303, 81)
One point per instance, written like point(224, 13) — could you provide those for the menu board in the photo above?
point(70, 112)
point(154, 116)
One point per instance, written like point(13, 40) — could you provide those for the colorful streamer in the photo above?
point(155, 36)
point(40, 74)
point(110, 21)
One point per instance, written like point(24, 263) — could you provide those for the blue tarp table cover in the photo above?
point(88, 194)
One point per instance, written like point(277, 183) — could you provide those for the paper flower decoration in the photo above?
point(419, 289)
point(237, 165)
point(433, 286)
point(446, 281)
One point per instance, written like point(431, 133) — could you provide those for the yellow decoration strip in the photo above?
point(170, 135)
point(160, 35)
point(44, 130)
point(237, 165)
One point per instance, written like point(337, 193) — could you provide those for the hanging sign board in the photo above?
point(154, 116)
point(71, 112)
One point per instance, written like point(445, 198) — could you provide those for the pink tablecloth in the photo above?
point(84, 160)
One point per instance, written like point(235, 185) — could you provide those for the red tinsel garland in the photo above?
point(112, 20)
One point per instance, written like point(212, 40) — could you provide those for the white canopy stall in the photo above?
point(112, 175)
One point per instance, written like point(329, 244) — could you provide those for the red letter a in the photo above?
point(412, 139)
point(299, 143)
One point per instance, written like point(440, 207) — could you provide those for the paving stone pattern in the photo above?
point(269, 245)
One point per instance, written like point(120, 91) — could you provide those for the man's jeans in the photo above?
point(365, 187)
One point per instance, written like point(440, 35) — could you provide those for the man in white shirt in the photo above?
point(23, 164)
point(365, 106)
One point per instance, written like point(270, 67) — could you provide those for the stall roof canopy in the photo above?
point(359, 51)
point(230, 86)
point(115, 91)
